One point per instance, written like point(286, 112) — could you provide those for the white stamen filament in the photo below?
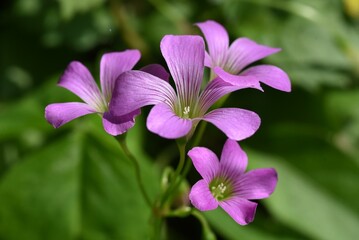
point(186, 111)
point(219, 190)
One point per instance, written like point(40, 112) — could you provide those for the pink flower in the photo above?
point(229, 62)
point(79, 80)
point(225, 183)
point(177, 111)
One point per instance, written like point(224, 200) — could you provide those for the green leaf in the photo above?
point(314, 44)
point(27, 115)
point(304, 205)
point(312, 78)
point(80, 187)
point(341, 105)
point(69, 8)
point(228, 228)
point(342, 109)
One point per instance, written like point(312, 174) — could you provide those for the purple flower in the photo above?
point(79, 80)
point(226, 184)
point(228, 62)
point(176, 113)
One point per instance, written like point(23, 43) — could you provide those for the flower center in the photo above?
point(218, 192)
point(186, 111)
point(220, 189)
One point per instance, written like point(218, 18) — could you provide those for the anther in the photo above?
point(186, 111)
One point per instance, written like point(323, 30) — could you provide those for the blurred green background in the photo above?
point(74, 182)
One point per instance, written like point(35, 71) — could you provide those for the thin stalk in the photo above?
point(159, 208)
point(122, 141)
point(156, 223)
point(177, 174)
point(126, 27)
point(197, 140)
point(207, 233)
point(184, 164)
point(206, 230)
point(199, 135)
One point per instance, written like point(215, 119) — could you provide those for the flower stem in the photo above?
point(196, 141)
point(184, 164)
point(177, 174)
point(199, 135)
point(122, 141)
point(156, 222)
point(159, 209)
point(206, 230)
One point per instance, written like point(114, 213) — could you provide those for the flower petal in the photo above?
point(217, 41)
point(201, 197)
point(236, 123)
point(156, 70)
point(57, 114)
point(219, 87)
point(256, 184)
point(112, 65)
point(241, 210)
point(205, 162)
point(164, 122)
point(243, 52)
point(79, 80)
point(238, 80)
point(207, 60)
point(233, 159)
point(270, 75)
point(116, 125)
point(185, 59)
point(135, 89)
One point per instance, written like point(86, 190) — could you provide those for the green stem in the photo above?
point(212, 75)
point(184, 164)
point(157, 227)
point(177, 174)
point(200, 132)
point(159, 210)
point(126, 27)
point(221, 101)
point(182, 151)
point(122, 141)
point(206, 230)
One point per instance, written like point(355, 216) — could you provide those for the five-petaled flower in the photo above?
point(79, 80)
point(226, 183)
point(178, 112)
point(228, 62)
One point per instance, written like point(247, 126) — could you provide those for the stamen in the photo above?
point(219, 191)
point(186, 111)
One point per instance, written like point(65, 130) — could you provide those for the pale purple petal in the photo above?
point(205, 162)
point(135, 89)
point(270, 75)
point(241, 210)
point(236, 123)
point(238, 80)
point(218, 87)
point(185, 59)
point(57, 114)
point(233, 159)
point(207, 60)
point(116, 125)
point(79, 80)
point(164, 122)
point(201, 197)
point(112, 65)
point(256, 184)
point(156, 70)
point(217, 41)
point(243, 52)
